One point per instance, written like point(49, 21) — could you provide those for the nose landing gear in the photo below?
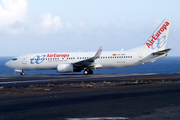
point(88, 71)
point(22, 73)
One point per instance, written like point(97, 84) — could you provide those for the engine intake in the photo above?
point(65, 68)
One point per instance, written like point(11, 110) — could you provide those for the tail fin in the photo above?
point(157, 41)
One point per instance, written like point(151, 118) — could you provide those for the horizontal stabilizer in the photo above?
point(161, 52)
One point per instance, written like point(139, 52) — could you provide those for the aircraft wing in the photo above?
point(90, 61)
point(161, 52)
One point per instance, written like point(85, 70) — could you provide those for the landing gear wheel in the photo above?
point(85, 72)
point(22, 73)
point(88, 71)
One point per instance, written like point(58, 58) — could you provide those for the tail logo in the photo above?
point(160, 42)
point(156, 36)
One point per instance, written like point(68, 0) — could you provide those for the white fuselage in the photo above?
point(112, 59)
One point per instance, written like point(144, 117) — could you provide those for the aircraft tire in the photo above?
point(22, 73)
point(90, 71)
point(86, 72)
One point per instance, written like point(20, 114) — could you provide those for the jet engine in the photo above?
point(65, 68)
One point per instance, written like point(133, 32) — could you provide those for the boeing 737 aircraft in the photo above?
point(153, 49)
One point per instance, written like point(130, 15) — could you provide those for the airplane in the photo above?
point(152, 50)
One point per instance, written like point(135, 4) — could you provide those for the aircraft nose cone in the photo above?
point(7, 64)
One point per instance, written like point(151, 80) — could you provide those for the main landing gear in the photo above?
point(88, 71)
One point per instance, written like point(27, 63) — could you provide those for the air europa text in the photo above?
point(155, 36)
point(58, 55)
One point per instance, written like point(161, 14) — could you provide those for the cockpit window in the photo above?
point(14, 59)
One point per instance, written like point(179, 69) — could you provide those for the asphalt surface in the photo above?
point(139, 102)
point(27, 80)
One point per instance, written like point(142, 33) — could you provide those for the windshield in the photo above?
point(14, 59)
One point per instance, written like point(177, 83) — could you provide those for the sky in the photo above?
point(41, 26)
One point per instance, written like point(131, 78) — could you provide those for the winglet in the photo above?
point(90, 60)
point(98, 52)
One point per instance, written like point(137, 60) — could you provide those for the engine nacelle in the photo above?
point(65, 68)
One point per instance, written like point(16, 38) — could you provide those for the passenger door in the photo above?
point(140, 57)
point(24, 60)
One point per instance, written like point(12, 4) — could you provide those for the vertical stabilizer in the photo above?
point(157, 41)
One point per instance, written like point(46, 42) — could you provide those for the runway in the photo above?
point(27, 80)
point(132, 101)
